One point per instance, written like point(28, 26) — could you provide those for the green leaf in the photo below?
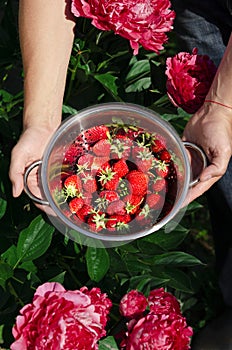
point(168, 241)
point(108, 344)
point(3, 205)
point(34, 240)
point(108, 81)
point(28, 266)
point(175, 259)
point(98, 263)
point(138, 68)
point(69, 110)
point(10, 256)
point(179, 280)
point(58, 278)
point(6, 272)
point(139, 85)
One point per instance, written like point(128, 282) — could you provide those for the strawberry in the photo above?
point(98, 163)
point(118, 222)
point(158, 184)
point(108, 179)
point(121, 147)
point(161, 168)
point(72, 153)
point(102, 148)
point(75, 204)
point(109, 196)
point(85, 159)
point(155, 201)
point(120, 167)
point(84, 212)
point(144, 159)
point(72, 186)
point(133, 203)
point(164, 155)
point(138, 182)
point(84, 163)
point(158, 143)
point(105, 197)
point(93, 134)
point(144, 214)
point(87, 197)
point(116, 207)
point(96, 221)
point(57, 190)
point(89, 183)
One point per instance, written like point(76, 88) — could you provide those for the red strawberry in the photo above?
point(158, 143)
point(72, 186)
point(102, 148)
point(138, 181)
point(110, 196)
point(144, 159)
point(164, 155)
point(133, 203)
point(155, 200)
point(98, 163)
point(144, 215)
point(159, 184)
point(72, 153)
point(89, 183)
point(87, 197)
point(96, 221)
point(161, 168)
point(75, 204)
point(84, 212)
point(118, 222)
point(121, 147)
point(93, 134)
point(120, 167)
point(108, 179)
point(116, 207)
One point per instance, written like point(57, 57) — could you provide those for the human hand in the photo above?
point(211, 129)
point(29, 148)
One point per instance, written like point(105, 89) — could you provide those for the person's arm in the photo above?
point(46, 31)
point(211, 126)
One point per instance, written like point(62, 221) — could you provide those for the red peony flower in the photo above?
point(133, 304)
point(59, 319)
point(161, 302)
point(159, 332)
point(189, 77)
point(141, 22)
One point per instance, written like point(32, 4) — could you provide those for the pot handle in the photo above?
point(199, 152)
point(26, 188)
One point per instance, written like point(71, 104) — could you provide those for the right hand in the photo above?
point(28, 149)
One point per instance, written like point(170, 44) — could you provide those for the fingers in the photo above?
point(16, 171)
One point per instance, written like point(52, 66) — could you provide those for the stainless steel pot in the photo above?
point(51, 166)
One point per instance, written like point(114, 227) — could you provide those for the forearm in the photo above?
point(220, 90)
point(46, 30)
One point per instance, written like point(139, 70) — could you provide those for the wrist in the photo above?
point(218, 103)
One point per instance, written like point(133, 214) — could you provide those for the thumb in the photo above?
point(16, 171)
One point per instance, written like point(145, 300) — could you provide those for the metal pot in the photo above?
point(52, 166)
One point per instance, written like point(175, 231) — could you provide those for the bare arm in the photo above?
point(211, 126)
point(46, 31)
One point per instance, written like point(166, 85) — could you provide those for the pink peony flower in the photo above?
point(161, 302)
point(133, 304)
point(141, 22)
point(189, 77)
point(59, 319)
point(159, 332)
